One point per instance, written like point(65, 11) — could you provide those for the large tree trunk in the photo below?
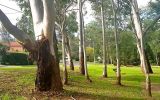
point(104, 42)
point(68, 51)
point(47, 73)
point(44, 51)
point(48, 30)
point(115, 11)
point(81, 53)
point(140, 43)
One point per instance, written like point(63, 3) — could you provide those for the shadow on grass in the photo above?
point(83, 96)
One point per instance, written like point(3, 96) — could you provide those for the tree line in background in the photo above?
point(121, 34)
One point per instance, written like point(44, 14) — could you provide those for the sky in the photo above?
point(13, 15)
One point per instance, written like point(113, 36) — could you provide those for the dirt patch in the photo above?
point(154, 86)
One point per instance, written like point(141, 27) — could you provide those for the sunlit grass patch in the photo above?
point(17, 82)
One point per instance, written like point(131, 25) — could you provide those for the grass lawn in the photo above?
point(17, 83)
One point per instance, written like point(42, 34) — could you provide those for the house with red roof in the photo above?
point(14, 46)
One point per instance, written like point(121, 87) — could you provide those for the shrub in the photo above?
point(15, 59)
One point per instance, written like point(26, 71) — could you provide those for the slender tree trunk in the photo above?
point(158, 58)
point(117, 44)
point(104, 42)
point(140, 43)
point(68, 51)
point(65, 76)
point(81, 52)
point(84, 50)
point(94, 53)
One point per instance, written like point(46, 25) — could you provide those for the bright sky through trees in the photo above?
point(13, 15)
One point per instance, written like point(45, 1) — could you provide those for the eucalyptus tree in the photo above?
point(81, 52)
point(104, 42)
point(62, 7)
point(82, 44)
point(43, 50)
point(115, 7)
point(71, 28)
point(101, 11)
point(140, 34)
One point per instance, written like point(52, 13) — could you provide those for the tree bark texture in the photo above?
point(81, 53)
point(148, 63)
point(47, 72)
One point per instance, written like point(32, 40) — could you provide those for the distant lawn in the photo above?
point(17, 82)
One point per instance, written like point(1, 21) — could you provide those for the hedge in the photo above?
point(15, 59)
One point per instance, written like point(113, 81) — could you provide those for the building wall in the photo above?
point(16, 49)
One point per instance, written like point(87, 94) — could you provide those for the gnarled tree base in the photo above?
point(48, 73)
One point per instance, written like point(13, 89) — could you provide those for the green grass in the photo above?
point(17, 82)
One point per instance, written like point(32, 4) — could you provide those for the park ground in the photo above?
point(17, 83)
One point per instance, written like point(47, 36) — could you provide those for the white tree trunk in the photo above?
point(81, 53)
point(68, 52)
point(49, 22)
point(104, 42)
point(84, 50)
point(37, 15)
point(65, 76)
point(115, 11)
point(140, 42)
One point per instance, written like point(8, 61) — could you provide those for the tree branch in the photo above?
point(17, 33)
point(69, 5)
point(83, 1)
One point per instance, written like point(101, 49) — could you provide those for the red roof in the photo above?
point(12, 44)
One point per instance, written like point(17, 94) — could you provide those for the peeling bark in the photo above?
point(46, 72)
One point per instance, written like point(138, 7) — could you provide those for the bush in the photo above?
point(15, 59)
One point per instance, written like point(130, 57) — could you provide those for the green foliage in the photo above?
point(3, 49)
point(25, 22)
point(155, 6)
point(72, 25)
point(90, 54)
point(128, 49)
point(15, 59)
point(94, 37)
